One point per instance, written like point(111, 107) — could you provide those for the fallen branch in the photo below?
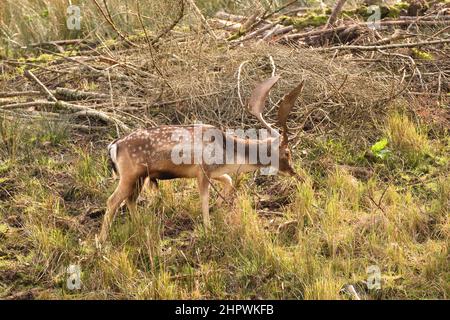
point(19, 94)
point(222, 15)
point(295, 11)
point(256, 33)
point(226, 25)
point(250, 22)
point(387, 46)
point(58, 42)
point(397, 35)
point(80, 110)
point(425, 18)
point(71, 94)
point(8, 101)
point(283, 30)
point(270, 33)
point(100, 115)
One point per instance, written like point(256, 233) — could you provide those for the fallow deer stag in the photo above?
point(148, 153)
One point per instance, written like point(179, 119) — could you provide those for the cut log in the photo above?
point(225, 24)
point(71, 94)
point(222, 15)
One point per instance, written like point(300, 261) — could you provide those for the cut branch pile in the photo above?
point(298, 25)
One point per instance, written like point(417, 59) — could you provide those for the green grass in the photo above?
point(323, 235)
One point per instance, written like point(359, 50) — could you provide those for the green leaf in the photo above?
point(379, 149)
point(379, 145)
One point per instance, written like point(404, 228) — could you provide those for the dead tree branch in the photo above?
point(335, 13)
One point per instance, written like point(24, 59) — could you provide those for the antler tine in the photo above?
point(258, 98)
point(285, 106)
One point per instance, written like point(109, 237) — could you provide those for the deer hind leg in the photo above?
point(227, 183)
point(132, 198)
point(122, 192)
point(203, 185)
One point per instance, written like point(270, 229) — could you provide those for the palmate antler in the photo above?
point(257, 101)
point(285, 106)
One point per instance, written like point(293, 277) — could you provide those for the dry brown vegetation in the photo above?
point(370, 136)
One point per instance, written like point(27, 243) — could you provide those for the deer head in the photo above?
point(256, 105)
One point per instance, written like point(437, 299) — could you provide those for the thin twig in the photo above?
point(111, 23)
point(202, 18)
point(171, 26)
point(151, 43)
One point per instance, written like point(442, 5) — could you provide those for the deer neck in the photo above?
point(253, 154)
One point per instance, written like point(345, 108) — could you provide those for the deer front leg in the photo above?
point(203, 185)
point(227, 183)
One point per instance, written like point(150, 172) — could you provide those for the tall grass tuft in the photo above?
point(407, 138)
point(33, 21)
